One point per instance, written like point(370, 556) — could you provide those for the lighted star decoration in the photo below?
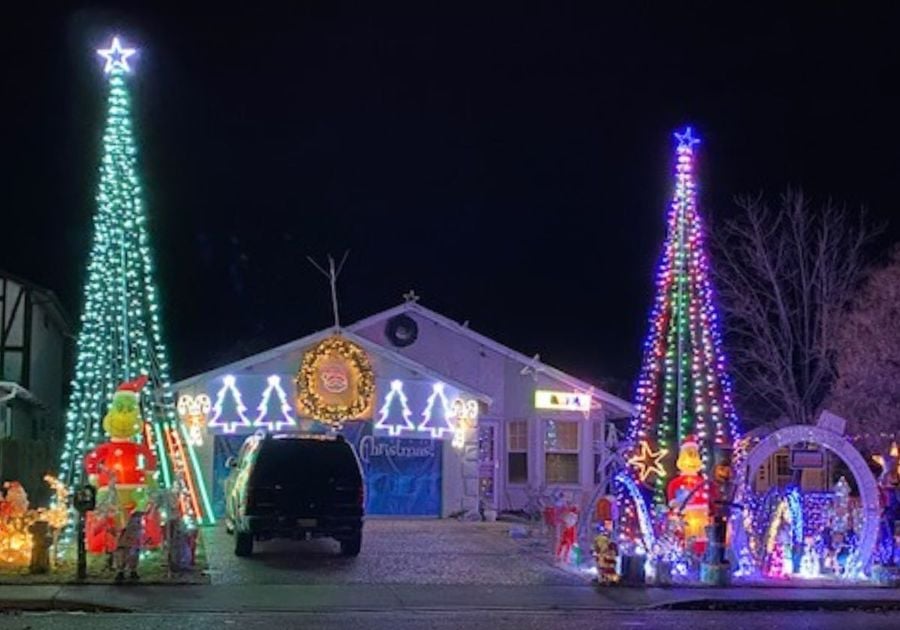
point(649, 462)
point(116, 56)
point(686, 139)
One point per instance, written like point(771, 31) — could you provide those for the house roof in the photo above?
point(310, 340)
point(47, 297)
point(621, 406)
point(616, 405)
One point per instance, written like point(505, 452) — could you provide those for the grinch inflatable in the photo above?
point(122, 470)
point(687, 493)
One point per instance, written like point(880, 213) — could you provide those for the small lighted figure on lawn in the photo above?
point(122, 465)
point(116, 57)
point(17, 519)
point(606, 554)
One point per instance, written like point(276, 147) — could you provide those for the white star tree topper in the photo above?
point(116, 56)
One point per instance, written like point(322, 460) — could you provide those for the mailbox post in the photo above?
point(85, 500)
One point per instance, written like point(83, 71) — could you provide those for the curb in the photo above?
point(756, 605)
point(44, 605)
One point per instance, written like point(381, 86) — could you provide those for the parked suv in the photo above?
point(290, 486)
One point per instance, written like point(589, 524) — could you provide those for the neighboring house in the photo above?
point(537, 429)
point(810, 467)
point(34, 348)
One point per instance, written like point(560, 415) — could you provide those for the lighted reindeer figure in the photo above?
point(889, 485)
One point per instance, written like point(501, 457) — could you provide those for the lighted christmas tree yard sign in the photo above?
point(683, 406)
point(120, 336)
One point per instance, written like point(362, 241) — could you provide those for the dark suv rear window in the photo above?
point(285, 460)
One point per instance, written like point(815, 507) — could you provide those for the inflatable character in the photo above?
point(121, 469)
point(687, 493)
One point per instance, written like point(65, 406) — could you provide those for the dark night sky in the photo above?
point(512, 166)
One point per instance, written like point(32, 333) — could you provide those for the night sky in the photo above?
point(512, 166)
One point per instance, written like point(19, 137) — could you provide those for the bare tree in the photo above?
point(786, 276)
point(867, 391)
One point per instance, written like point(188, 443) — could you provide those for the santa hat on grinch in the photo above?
point(132, 387)
point(690, 442)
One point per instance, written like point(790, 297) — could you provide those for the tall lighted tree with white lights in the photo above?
point(683, 391)
point(120, 336)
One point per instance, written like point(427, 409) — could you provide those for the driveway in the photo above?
point(393, 552)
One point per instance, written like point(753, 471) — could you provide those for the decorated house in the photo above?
point(445, 420)
point(34, 348)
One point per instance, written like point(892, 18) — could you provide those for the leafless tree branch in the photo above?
point(786, 276)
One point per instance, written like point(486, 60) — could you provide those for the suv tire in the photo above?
point(243, 544)
point(350, 546)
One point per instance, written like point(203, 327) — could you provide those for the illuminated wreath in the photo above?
point(331, 406)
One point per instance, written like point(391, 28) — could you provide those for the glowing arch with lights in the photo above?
point(837, 444)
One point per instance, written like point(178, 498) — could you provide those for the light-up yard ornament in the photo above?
point(388, 420)
point(283, 417)
point(437, 418)
point(229, 421)
point(648, 462)
point(465, 415)
point(193, 411)
point(116, 56)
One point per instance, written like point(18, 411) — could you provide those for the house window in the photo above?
point(561, 451)
point(782, 465)
point(517, 452)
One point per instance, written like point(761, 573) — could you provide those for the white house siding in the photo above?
point(451, 353)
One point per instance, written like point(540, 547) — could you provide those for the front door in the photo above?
point(487, 463)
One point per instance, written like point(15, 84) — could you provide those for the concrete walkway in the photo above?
point(392, 597)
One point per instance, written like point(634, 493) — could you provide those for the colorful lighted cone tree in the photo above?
point(683, 390)
point(120, 336)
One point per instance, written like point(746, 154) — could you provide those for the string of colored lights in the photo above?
point(683, 388)
point(643, 515)
point(120, 335)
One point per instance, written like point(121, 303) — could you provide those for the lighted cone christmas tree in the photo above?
point(683, 406)
point(120, 336)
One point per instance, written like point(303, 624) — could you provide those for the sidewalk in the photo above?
point(389, 597)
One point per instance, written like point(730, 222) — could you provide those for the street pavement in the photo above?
point(443, 620)
point(414, 552)
point(438, 574)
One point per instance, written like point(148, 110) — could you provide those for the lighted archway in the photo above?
point(840, 446)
